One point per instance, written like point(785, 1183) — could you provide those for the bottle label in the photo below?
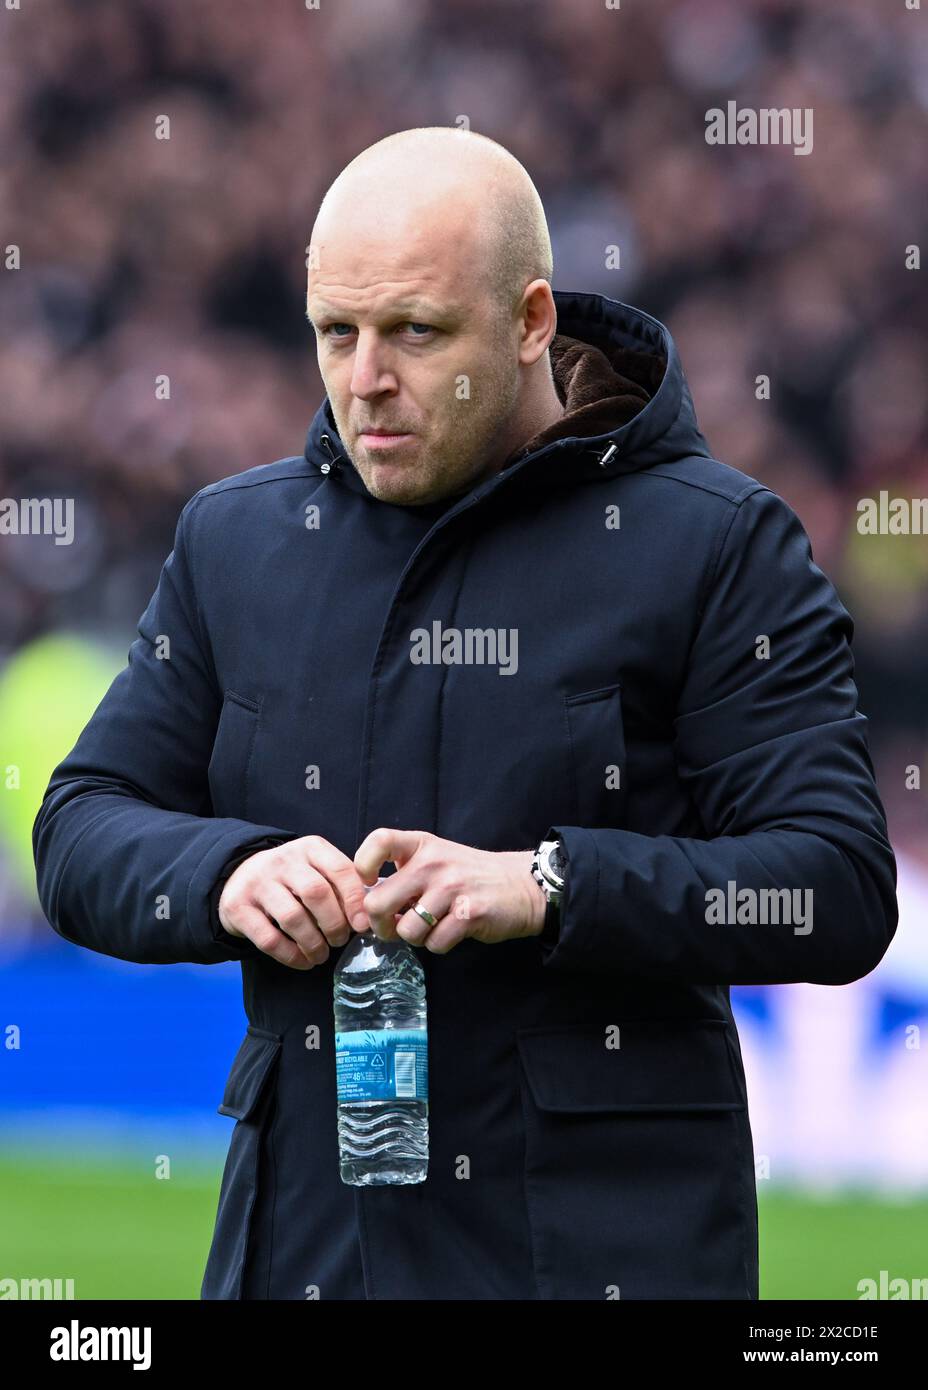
point(382, 1064)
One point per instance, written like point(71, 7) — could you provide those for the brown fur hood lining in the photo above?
point(599, 392)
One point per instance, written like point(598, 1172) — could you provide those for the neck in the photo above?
point(537, 411)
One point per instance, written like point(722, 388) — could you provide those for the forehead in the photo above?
point(399, 262)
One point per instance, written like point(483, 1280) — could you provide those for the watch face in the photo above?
point(557, 861)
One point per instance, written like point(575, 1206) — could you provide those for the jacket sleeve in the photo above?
point(126, 848)
point(774, 755)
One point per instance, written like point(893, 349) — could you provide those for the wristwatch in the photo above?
point(549, 869)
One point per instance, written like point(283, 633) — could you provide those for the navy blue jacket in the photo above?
point(644, 724)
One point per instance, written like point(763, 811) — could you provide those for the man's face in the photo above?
point(410, 343)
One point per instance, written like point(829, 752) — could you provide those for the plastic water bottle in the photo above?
point(381, 1057)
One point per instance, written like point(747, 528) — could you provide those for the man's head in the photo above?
point(429, 290)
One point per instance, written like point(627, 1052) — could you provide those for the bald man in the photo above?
point(508, 639)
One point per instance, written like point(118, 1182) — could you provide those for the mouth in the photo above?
point(382, 439)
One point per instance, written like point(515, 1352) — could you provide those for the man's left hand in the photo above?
point(490, 896)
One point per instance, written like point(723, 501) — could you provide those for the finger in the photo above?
point(324, 907)
point(289, 914)
point(383, 846)
point(328, 860)
point(392, 898)
point(449, 932)
point(254, 925)
point(413, 929)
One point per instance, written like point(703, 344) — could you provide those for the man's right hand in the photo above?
point(295, 900)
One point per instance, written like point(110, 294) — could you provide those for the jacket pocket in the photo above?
point(230, 764)
point(250, 1098)
point(639, 1170)
point(596, 746)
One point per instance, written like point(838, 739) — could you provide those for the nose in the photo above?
point(370, 375)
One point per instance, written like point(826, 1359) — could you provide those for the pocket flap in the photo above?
point(659, 1064)
point(249, 1071)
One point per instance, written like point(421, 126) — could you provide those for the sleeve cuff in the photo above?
point(566, 947)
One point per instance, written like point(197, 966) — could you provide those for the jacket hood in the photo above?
point(617, 373)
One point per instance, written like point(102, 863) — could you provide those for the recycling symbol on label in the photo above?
point(377, 1060)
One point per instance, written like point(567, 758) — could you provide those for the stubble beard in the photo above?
point(460, 460)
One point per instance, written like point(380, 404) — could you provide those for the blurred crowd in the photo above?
point(185, 257)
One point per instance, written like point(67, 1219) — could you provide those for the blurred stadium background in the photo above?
point(141, 256)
